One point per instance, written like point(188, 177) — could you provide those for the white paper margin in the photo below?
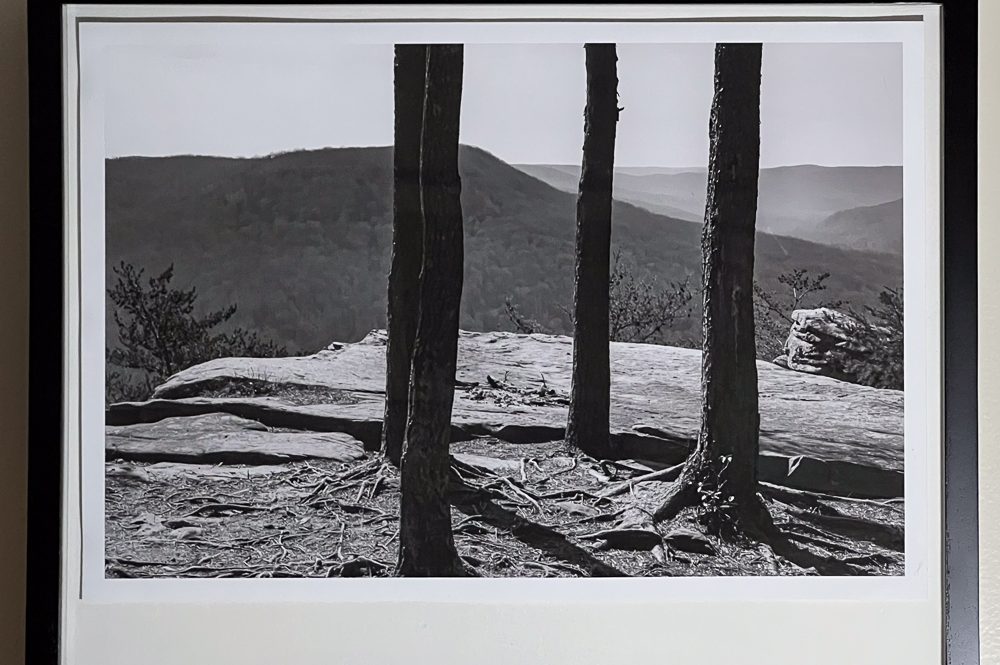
point(84, 409)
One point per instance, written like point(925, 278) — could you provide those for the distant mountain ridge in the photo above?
point(301, 240)
point(877, 228)
point(794, 200)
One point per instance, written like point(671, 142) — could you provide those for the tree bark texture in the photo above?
point(426, 544)
point(725, 457)
point(407, 243)
point(587, 427)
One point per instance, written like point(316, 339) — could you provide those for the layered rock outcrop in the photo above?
point(816, 432)
point(823, 342)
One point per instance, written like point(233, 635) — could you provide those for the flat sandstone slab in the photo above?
point(219, 438)
point(653, 386)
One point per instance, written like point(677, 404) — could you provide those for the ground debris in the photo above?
point(519, 510)
point(503, 393)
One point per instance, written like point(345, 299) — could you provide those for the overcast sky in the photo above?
point(831, 104)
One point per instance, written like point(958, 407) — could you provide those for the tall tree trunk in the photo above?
point(426, 544)
point(587, 427)
point(724, 462)
point(407, 241)
point(730, 419)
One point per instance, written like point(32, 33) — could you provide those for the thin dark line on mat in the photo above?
point(551, 19)
point(79, 287)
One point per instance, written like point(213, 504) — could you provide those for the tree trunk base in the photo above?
point(453, 568)
point(753, 521)
point(390, 459)
point(680, 495)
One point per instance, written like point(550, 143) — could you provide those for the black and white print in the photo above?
point(502, 310)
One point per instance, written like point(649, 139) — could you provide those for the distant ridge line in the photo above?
point(622, 167)
point(695, 169)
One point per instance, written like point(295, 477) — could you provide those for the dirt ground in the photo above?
point(518, 511)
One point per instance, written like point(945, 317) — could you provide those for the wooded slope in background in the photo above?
point(301, 241)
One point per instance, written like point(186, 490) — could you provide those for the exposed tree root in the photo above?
point(810, 534)
point(818, 539)
point(456, 567)
point(803, 558)
point(883, 535)
point(537, 535)
point(819, 542)
point(669, 474)
point(554, 567)
point(798, 498)
point(635, 518)
point(869, 559)
point(308, 502)
point(753, 521)
point(359, 567)
point(813, 500)
point(680, 495)
point(626, 538)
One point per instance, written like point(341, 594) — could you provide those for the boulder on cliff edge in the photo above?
point(822, 341)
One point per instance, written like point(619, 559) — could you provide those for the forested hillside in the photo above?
point(300, 241)
point(878, 227)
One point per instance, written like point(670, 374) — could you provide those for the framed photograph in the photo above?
point(364, 333)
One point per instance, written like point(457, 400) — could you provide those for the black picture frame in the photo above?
point(959, 325)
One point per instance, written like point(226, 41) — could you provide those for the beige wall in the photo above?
point(13, 328)
point(989, 321)
point(13, 325)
